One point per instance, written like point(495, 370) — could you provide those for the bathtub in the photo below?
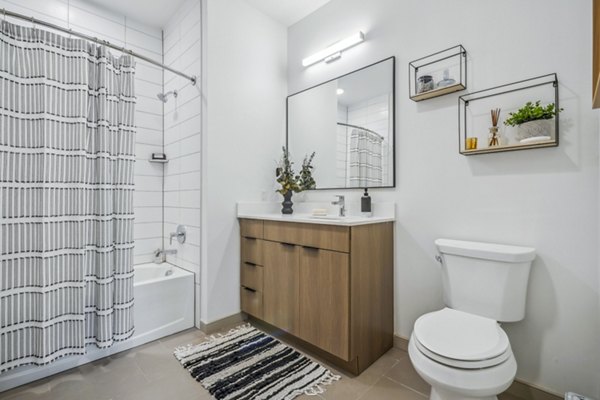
point(163, 305)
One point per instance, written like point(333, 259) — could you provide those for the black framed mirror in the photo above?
point(349, 122)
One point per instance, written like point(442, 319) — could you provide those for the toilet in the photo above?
point(461, 350)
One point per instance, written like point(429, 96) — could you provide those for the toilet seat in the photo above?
point(461, 340)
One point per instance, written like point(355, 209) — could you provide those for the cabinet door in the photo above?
point(251, 302)
point(325, 300)
point(280, 285)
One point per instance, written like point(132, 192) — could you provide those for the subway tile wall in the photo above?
point(103, 24)
point(182, 51)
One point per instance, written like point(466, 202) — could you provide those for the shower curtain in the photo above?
point(365, 167)
point(66, 186)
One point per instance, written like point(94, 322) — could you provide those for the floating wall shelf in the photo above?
point(474, 118)
point(438, 74)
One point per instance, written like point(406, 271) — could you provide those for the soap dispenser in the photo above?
point(365, 204)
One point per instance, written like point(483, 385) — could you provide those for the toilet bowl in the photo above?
point(461, 350)
point(461, 355)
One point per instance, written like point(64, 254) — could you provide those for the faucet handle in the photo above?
point(180, 234)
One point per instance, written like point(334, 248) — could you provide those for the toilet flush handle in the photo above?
point(439, 258)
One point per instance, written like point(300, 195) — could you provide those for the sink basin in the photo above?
point(327, 217)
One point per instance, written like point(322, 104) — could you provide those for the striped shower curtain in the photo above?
point(365, 159)
point(66, 186)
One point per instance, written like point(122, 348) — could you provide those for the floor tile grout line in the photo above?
point(408, 387)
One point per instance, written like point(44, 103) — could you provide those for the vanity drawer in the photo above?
point(252, 276)
point(252, 250)
point(251, 228)
point(328, 237)
point(251, 302)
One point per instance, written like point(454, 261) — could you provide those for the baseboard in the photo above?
point(529, 391)
point(223, 323)
point(400, 343)
point(519, 388)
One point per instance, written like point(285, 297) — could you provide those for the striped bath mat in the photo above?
point(247, 364)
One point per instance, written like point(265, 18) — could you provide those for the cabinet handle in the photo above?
point(248, 289)
point(311, 248)
point(288, 244)
point(249, 238)
point(250, 264)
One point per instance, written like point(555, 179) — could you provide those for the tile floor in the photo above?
point(151, 372)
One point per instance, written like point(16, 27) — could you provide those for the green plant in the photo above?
point(305, 179)
point(285, 174)
point(531, 112)
point(288, 179)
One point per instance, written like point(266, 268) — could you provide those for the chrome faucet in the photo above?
point(160, 255)
point(180, 235)
point(341, 201)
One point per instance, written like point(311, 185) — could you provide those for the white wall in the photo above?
point(244, 98)
point(546, 198)
point(183, 139)
point(87, 18)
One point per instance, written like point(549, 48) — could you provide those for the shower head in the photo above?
point(164, 97)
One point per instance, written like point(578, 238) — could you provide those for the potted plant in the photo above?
point(533, 120)
point(290, 182)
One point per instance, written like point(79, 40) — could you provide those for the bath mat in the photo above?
point(246, 364)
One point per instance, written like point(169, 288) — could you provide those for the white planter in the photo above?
point(540, 127)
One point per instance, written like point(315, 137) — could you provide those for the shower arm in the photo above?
point(35, 21)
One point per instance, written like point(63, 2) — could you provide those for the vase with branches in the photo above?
point(290, 181)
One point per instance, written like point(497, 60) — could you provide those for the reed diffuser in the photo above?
point(494, 137)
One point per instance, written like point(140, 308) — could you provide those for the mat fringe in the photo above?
point(316, 388)
point(180, 351)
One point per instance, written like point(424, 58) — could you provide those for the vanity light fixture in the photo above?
point(334, 51)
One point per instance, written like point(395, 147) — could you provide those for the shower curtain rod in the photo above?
point(8, 13)
point(360, 127)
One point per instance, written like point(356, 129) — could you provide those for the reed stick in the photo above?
point(495, 116)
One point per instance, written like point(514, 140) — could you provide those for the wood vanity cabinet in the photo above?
point(329, 286)
point(281, 277)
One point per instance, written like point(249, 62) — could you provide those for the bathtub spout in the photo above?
point(160, 255)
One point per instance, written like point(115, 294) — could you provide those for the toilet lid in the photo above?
point(461, 336)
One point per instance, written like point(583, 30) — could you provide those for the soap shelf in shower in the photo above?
point(159, 158)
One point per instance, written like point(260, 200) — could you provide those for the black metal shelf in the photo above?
point(465, 103)
point(432, 64)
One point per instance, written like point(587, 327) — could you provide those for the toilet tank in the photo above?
point(486, 279)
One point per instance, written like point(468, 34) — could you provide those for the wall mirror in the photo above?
point(349, 122)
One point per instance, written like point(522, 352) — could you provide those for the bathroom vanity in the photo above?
point(328, 283)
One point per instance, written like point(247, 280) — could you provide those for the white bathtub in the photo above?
point(164, 305)
point(164, 301)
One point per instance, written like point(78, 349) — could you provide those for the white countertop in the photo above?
point(271, 211)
